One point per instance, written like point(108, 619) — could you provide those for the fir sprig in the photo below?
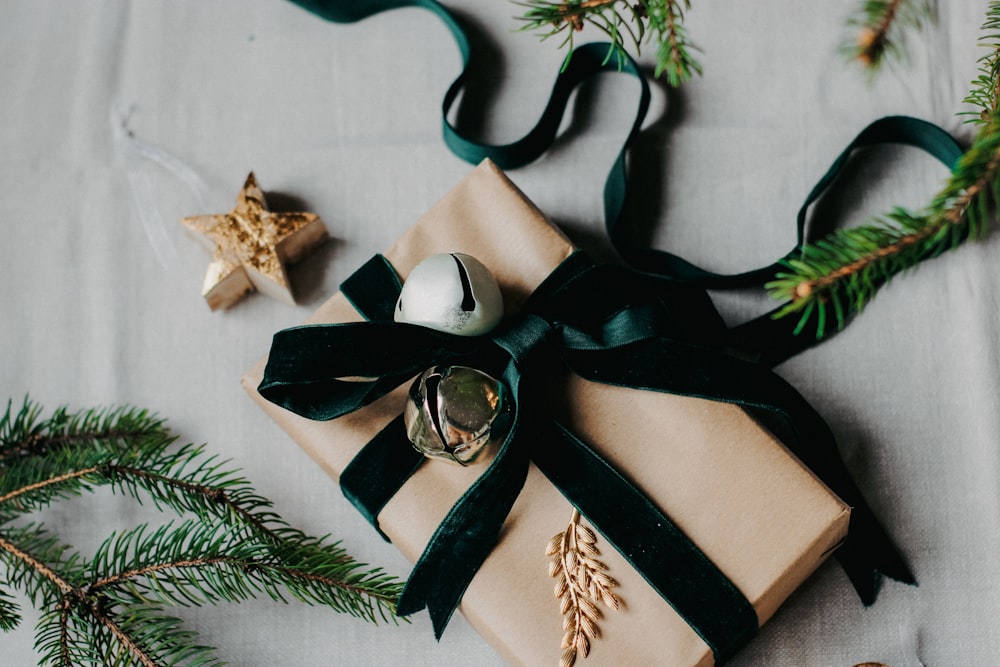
point(879, 28)
point(112, 608)
point(636, 23)
point(985, 92)
point(10, 612)
point(834, 278)
point(843, 271)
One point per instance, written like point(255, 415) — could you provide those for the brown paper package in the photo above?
point(765, 520)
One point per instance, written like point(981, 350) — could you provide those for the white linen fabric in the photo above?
point(343, 120)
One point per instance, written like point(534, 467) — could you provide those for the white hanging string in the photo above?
point(134, 152)
point(908, 642)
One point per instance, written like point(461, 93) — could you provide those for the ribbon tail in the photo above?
point(867, 554)
point(868, 550)
point(379, 470)
point(411, 602)
point(465, 537)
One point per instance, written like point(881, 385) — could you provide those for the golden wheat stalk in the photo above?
point(581, 582)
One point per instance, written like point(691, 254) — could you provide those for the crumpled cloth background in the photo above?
point(100, 284)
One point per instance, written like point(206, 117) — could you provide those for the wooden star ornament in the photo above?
point(252, 246)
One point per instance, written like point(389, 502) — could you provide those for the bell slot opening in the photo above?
point(431, 392)
point(468, 298)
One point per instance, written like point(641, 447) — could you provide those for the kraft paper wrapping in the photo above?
point(765, 520)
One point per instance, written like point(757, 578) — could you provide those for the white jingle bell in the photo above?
point(451, 292)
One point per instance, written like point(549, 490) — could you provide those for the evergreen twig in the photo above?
point(879, 28)
point(985, 92)
point(843, 271)
point(111, 609)
point(639, 22)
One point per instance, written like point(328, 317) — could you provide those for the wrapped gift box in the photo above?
point(764, 519)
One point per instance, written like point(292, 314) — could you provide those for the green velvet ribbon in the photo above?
point(606, 324)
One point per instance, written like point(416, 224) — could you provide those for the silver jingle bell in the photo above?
point(451, 292)
point(451, 411)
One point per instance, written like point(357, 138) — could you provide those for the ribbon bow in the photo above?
point(606, 324)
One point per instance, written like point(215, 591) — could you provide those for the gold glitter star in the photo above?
point(251, 247)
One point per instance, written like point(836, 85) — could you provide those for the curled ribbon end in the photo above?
point(409, 602)
point(439, 619)
point(865, 564)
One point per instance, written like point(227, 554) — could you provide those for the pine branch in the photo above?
point(985, 93)
point(184, 480)
point(110, 610)
point(673, 55)
point(880, 27)
point(23, 434)
point(843, 271)
point(637, 23)
point(10, 612)
point(836, 277)
point(157, 566)
point(36, 564)
point(144, 636)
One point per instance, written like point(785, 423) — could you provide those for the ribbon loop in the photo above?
point(308, 365)
point(373, 289)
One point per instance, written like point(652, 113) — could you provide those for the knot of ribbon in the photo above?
point(606, 324)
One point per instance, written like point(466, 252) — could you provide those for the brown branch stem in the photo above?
point(672, 40)
point(70, 592)
point(953, 215)
point(36, 565)
point(887, 18)
point(158, 567)
point(36, 443)
point(48, 482)
point(64, 606)
point(873, 38)
point(569, 546)
point(336, 583)
point(955, 212)
point(201, 562)
point(571, 14)
point(593, 4)
point(809, 287)
point(122, 636)
point(217, 495)
point(214, 494)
